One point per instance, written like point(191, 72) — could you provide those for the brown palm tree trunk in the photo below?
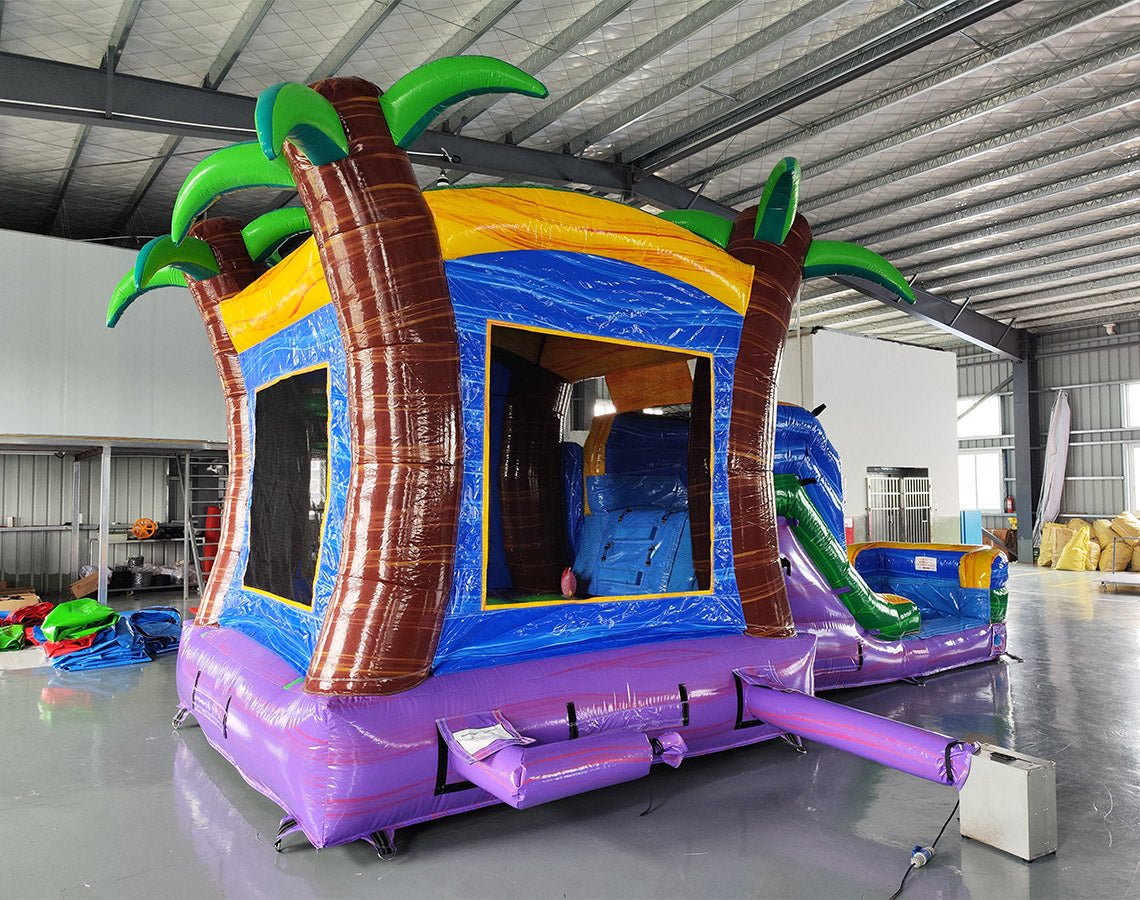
point(778, 272)
point(383, 264)
point(236, 271)
point(530, 480)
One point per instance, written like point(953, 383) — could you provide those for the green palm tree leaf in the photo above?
point(127, 292)
point(229, 169)
point(779, 201)
point(708, 225)
point(266, 233)
point(192, 256)
point(298, 114)
point(826, 258)
point(412, 103)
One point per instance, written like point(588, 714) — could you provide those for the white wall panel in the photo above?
point(63, 372)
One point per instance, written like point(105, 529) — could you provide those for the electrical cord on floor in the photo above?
point(920, 855)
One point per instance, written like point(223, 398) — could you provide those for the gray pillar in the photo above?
point(104, 518)
point(1026, 432)
point(76, 481)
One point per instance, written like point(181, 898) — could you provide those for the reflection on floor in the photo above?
point(101, 799)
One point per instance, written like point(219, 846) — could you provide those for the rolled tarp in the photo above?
point(1056, 454)
point(927, 754)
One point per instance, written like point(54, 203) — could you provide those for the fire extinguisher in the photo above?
point(1009, 503)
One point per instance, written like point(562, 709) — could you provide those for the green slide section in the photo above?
point(890, 620)
point(999, 601)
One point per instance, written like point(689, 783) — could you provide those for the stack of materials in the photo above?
point(1079, 546)
point(84, 634)
point(16, 625)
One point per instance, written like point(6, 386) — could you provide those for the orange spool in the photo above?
point(144, 528)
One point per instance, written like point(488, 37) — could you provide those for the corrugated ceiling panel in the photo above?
point(63, 30)
point(178, 40)
point(292, 40)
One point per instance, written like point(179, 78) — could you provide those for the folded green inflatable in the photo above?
point(11, 637)
point(76, 619)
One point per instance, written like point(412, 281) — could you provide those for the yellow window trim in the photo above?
point(491, 323)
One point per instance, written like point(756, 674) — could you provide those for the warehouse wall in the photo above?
point(1091, 366)
point(63, 372)
point(36, 491)
point(887, 405)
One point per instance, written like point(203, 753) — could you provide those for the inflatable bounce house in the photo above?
point(422, 602)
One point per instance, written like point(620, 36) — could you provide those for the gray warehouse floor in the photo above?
point(99, 798)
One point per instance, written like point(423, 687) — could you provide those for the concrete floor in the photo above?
point(99, 798)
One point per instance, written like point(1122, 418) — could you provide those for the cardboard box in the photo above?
point(12, 600)
point(87, 586)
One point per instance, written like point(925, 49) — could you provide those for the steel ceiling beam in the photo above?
point(478, 25)
point(1111, 142)
point(1001, 274)
point(903, 255)
point(962, 215)
point(794, 71)
point(630, 62)
point(930, 27)
point(55, 206)
point(238, 40)
point(353, 39)
point(694, 78)
point(963, 323)
point(944, 120)
point(46, 89)
point(117, 41)
point(581, 28)
point(956, 259)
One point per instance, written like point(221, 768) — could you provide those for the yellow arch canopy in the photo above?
point(473, 221)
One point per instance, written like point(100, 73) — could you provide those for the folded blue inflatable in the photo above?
point(137, 637)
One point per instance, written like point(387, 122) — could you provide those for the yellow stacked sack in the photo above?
point(1045, 557)
point(1136, 558)
point(1102, 529)
point(1074, 556)
point(1127, 526)
point(1094, 557)
point(1123, 557)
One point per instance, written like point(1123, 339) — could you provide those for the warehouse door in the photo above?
point(898, 504)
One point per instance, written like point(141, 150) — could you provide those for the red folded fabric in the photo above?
point(30, 615)
point(53, 649)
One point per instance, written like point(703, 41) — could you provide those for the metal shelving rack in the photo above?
point(205, 464)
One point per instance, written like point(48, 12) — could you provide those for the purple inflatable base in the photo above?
point(848, 656)
point(346, 768)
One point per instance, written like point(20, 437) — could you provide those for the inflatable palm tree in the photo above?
point(341, 143)
point(776, 241)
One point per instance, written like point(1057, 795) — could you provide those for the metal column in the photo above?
point(186, 530)
point(104, 518)
point(75, 487)
point(1026, 430)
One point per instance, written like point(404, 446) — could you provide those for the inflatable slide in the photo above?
point(880, 611)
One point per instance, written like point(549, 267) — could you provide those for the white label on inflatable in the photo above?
point(472, 740)
point(925, 564)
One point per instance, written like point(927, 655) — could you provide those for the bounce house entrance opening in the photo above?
point(628, 516)
point(290, 486)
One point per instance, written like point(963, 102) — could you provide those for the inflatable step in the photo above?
point(488, 751)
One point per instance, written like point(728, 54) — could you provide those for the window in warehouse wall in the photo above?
point(979, 419)
point(1130, 392)
point(980, 480)
point(1132, 462)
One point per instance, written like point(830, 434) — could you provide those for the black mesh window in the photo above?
point(290, 473)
